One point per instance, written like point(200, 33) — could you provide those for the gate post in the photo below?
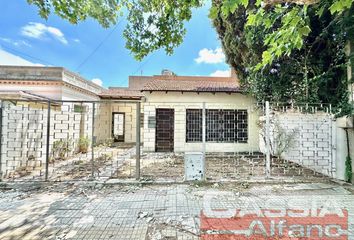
point(1, 113)
point(267, 138)
point(47, 142)
point(93, 142)
point(204, 138)
point(137, 151)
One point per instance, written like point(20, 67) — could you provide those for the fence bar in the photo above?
point(48, 143)
point(93, 142)
point(267, 140)
point(204, 138)
point(137, 154)
point(1, 109)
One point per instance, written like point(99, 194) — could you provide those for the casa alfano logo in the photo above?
point(284, 217)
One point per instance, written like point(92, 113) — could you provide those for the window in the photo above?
point(79, 108)
point(194, 125)
point(221, 125)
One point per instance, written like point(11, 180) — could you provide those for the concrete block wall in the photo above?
point(313, 143)
point(24, 130)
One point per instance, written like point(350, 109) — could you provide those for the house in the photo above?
point(171, 108)
point(55, 83)
point(172, 113)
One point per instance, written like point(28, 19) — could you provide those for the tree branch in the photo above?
point(298, 2)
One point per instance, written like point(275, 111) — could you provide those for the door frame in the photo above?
point(112, 124)
point(173, 129)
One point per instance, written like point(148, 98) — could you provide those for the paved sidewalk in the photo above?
point(96, 211)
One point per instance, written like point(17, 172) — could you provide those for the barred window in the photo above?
point(194, 125)
point(221, 125)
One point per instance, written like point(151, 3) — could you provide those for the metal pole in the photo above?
point(204, 136)
point(93, 142)
point(267, 140)
point(48, 142)
point(137, 154)
point(1, 108)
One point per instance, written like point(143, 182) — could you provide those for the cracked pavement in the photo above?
point(97, 211)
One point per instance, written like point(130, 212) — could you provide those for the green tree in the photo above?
point(283, 50)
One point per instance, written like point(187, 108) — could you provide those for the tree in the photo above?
point(308, 68)
point(151, 24)
point(284, 50)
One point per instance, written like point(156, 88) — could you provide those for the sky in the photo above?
point(27, 39)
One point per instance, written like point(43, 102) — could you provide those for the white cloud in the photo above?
point(210, 56)
point(97, 81)
point(220, 73)
point(76, 40)
point(16, 43)
point(41, 31)
point(7, 58)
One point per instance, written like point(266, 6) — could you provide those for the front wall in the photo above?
point(180, 102)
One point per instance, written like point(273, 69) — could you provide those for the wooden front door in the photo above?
point(164, 130)
point(118, 120)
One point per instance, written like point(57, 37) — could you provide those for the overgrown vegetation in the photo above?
point(307, 64)
point(61, 148)
point(83, 144)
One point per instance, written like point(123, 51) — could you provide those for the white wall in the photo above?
point(180, 102)
point(313, 145)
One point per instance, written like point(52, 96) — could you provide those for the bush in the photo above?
point(83, 145)
point(61, 148)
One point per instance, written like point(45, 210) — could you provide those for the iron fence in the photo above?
point(84, 140)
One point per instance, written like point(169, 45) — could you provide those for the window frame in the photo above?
point(229, 126)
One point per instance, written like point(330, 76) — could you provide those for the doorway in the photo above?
point(118, 122)
point(164, 141)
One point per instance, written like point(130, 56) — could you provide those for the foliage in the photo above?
point(61, 148)
point(155, 24)
point(282, 50)
point(151, 24)
point(287, 24)
point(103, 11)
point(348, 169)
point(83, 144)
point(313, 72)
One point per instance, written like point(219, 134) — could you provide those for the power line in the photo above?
point(143, 64)
point(26, 54)
point(98, 46)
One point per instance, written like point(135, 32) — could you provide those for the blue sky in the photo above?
point(27, 39)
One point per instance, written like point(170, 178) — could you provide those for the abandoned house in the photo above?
point(171, 111)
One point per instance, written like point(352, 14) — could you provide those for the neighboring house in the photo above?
point(54, 83)
point(24, 121)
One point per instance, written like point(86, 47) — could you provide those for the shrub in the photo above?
point(83, 145)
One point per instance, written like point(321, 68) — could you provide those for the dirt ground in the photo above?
point(170, 167)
